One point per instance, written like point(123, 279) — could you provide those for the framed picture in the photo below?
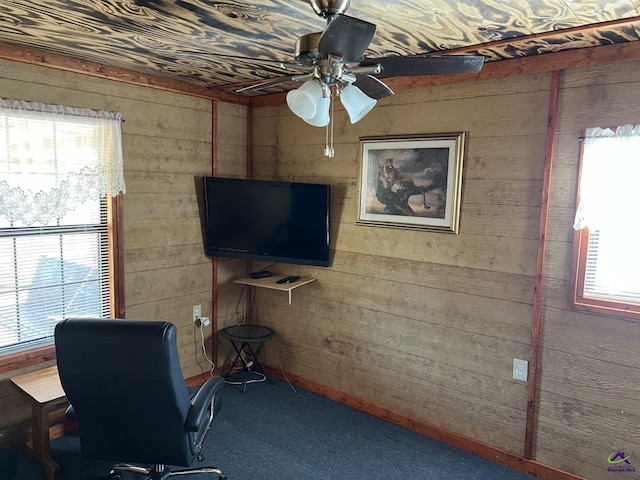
point(411, 182)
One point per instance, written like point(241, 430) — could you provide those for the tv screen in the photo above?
point(272, 221)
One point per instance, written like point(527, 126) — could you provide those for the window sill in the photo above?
point(27, 358)
point(610, 309)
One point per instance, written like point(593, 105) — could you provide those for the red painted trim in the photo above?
point(26, 358)
point(250, 291)
point(214, 261)
point(116, 237)
point(534, 354)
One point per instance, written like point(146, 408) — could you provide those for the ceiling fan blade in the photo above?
point(425, 65)
point(372, 87)
point(275, 81)
point(346, 37)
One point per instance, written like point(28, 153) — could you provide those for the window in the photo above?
point(606, 258)
point(60, 178)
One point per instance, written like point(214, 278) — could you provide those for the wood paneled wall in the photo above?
point(420, 323)
point(167, 143)
point(589, 400)
point(427, 324)
point(231, 161)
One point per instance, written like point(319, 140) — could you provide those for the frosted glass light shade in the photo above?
point(303, 101)
point(321, 118)
point(356, 103)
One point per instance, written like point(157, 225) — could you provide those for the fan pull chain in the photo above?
point(326, 140)
point(328, 148)
point(331, 150)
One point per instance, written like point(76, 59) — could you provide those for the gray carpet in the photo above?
point(271, 432)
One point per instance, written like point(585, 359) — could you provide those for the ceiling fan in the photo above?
point(333, 61)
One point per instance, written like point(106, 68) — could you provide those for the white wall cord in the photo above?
point(204, 351)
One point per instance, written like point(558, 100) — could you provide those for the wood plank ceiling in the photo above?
point(220, 45)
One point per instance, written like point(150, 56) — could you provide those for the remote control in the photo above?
point(289, 279)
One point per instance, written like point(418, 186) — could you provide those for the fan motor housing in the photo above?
point(306, 52)
point(329, 8)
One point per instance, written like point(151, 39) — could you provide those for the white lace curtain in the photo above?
point(609, 179)
point(54, 158)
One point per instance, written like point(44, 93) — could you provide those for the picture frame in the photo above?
point(412, 182)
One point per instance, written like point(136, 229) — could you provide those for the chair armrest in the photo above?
point(201, 401)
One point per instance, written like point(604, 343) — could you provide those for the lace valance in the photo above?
point(54, 158)
point(608, 176)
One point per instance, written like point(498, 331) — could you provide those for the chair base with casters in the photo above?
point(161, 472)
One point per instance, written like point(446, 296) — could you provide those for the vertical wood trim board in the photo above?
point(117, 218)
point(214, 137)
point(537, 299)
point(250, 292)
point(249, 142)
point(214, 261)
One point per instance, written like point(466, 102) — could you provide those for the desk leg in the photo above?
point(40, 434)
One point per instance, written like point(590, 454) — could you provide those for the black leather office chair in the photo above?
point(127, 393)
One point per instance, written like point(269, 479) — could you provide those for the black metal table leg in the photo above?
point(242, 337)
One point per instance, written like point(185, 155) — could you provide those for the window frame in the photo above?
point(33, 356)
point(577, 300)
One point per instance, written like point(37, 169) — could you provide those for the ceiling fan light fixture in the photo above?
point(321, 117)
point(356, 103)
point(304, 101)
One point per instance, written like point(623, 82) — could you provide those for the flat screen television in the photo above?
point(273, 221)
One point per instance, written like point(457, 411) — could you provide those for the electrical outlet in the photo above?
point(520, 369)
point(197, 312)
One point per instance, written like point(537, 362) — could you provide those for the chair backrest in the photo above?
point(124, 381)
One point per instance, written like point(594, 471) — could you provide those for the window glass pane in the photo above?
point(612, 265)
point(47, 275)
point(54, 231)
point(606, 257)
point(88, 212)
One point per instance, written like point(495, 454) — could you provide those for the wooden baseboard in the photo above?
point(508, 459)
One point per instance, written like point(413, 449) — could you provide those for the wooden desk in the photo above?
point(46, 394)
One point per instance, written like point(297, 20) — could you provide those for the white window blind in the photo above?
point(608, 206)
point(53, 272)
point(613, 266)
point(54, 225)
